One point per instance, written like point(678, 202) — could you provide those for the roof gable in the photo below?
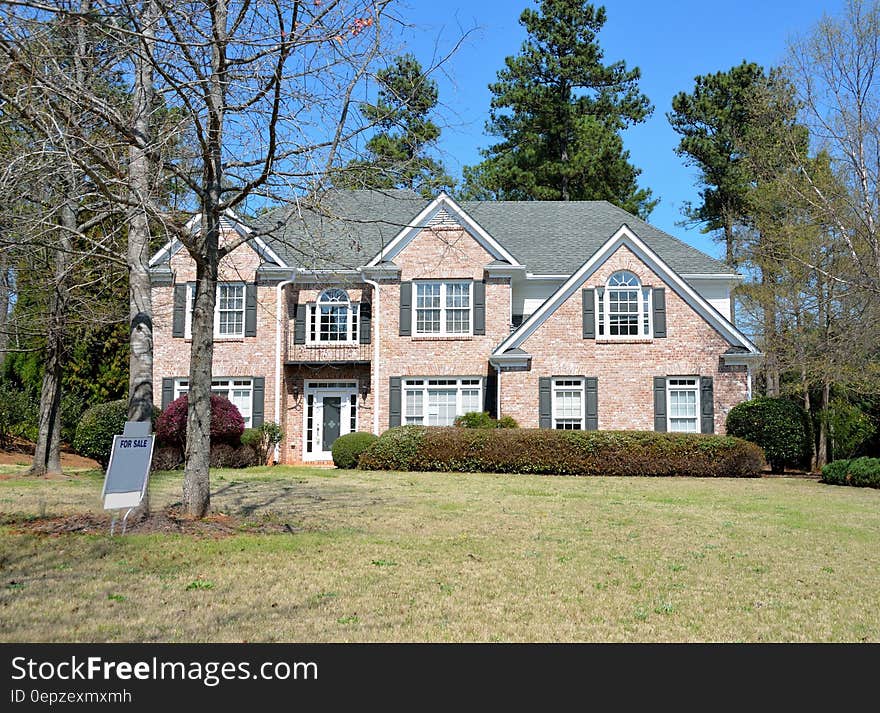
point(626, 237)
point(444, 211)
point(229, 221)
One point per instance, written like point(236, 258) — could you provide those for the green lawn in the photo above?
point(451, 557)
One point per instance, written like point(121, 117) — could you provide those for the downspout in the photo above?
point(498, 391)
point(279, 315)
point(374, 371)
point(749, 381)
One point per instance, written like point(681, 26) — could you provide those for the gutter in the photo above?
point(279, 317)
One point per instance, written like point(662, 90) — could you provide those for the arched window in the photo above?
point(624, 307)
point(333, 318)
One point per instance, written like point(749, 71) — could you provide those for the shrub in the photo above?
point(227, 425)
point(781, 427)
point(849, 428)
point(481, 419)
point(347, 449)
point(562, 452)
point(98, 425)
point(263, 439)
point(18, 414)
point(166, 458)
point(858, 472)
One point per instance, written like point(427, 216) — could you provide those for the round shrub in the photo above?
point(507, 422)
point(475, 419)
point(98, 425)
point(227, 425)
point(859, 472)
point(781, 427)
point(347, 449)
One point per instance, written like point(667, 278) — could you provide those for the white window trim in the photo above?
point(583, 390)
point(443, 308)
point(698, 405)
point(407, 385)
point(190, 298)
point(603, 319)
point(179, 391)
point(354, 326)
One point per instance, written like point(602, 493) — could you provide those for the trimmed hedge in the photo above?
point(551, 452)
point(858, 472)
point(98, 425)
point(222, 455)
point(347, 449)
point(781, 427)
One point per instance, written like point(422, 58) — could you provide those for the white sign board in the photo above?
point(128, 470)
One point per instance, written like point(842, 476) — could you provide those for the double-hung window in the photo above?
point(683, 404)
point(333, 318)
point(623, 308)
point(228, 310)
point(443, 308)
point(239, 391)
point(568, 404)
point(437, 402)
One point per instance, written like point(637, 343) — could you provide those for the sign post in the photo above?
point(128, 471)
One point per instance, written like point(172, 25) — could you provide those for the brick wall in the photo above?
point(625, 369)
point(247, 356)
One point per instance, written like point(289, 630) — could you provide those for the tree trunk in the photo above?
point(822, 450)
point(140, 301)
point(47, 452)
point(771, 364)
point(5, 291)
point(196, 483)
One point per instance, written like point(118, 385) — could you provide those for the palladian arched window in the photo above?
point(624, 307)
point(333, 318)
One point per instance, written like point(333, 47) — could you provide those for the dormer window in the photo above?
point(333, 318)
point(623, 308)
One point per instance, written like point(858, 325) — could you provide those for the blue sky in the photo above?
point(670, 42)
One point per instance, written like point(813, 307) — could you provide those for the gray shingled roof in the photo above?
point(347, 229)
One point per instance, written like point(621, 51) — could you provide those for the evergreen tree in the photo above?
point(397, 154)
point(559, 111)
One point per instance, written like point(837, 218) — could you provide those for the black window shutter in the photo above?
point(167, 391)
point(707, 405)
point(545, 403)
point(660, 404)
point(490, 400)
point(258, 400)
point(299, 325)
point(394, 402)
point(406, 309)
point(659, 312)
point(250, 310)
point(479, 308)
point(178, 322)
point(589, 313)
point(365, 319)
point(591, 403)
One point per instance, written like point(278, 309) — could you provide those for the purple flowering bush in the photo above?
point(227, 425)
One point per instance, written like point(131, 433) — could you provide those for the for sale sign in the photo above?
point(129, 468)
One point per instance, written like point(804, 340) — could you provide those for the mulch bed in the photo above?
point(167, 521)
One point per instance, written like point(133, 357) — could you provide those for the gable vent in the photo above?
point(443, 220)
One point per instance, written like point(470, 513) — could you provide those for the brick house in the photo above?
point(377, 308)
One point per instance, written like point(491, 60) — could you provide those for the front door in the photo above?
point(330, 412)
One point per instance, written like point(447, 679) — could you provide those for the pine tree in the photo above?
point(559, 111)
point(397, 154)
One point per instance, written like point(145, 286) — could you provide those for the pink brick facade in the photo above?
point(625, 369)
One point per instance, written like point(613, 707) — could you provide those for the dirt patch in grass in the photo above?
point(169, 520)
point(22, 452)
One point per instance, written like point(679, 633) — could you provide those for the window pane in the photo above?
point(683, 405)
point(333, 323)
point(427, 295)
point(470, 400)
point(441, 407)
point(458, 321)
point(427, 320)
point(230, 308)
point(414, 412)
point(458, 294)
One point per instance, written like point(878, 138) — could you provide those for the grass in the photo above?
point(451, 557)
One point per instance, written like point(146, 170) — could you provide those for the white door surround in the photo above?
point(330, 411)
